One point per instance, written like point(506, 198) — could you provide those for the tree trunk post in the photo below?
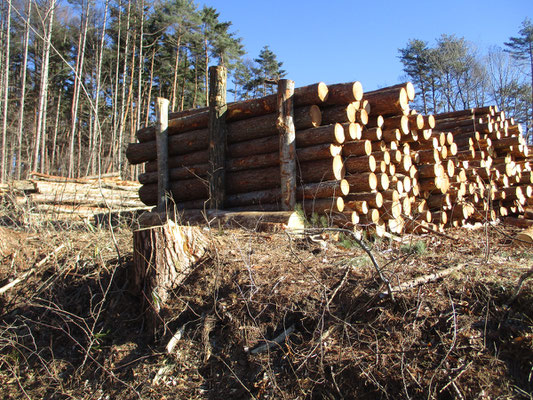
point(287, 144)
point(217, 136)
point(162, 153)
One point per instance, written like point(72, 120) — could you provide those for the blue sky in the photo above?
point(339, 40)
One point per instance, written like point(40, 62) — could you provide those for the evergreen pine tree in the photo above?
point(521, 48)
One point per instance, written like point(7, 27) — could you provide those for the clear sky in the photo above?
point(340, 40)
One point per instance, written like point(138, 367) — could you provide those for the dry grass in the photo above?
point(72, 330)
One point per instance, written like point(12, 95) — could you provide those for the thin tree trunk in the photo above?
point(98, 127)
point(23, 89)
point(139, 89)
point(76, 95)
point(56, 128)
point(116, 119)
point(149, 97)
point(529, 127)
point(182, 100)
point(4, 162)
point(174, 95)
point(43, 95)
point(206, 73)
point(123, 95)
point(129, 103)
point(195, 81)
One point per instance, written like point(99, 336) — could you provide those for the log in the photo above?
point(372, 217)
point(344, 93)
point(339, 114)
point(375, 121)
point(362, 182)
point(357, 148)
point(391, 135)
point(373, 199)
point(391, 210)
point(417, 121)
point(361, 207)
point(324, 206)
point(388, 101)
point(372, 134)
point(92, 200)
point(400, 122)
point(303, 96)
point(525, 236)
point(309, 191)
point(360, 164)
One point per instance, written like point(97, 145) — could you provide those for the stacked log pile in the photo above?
point(63, 198)
point(322, 116)
point(364, 159)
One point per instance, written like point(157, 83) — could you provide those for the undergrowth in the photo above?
point(72, 329)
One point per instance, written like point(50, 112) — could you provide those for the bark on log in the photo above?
point(303, 96)
point(357, 148)
point(194, 140)
point(373, 199)
point(339, 114)
point(360, 164)
point(183, 170)
point(400, 122)
point(372, 134)
point(272, 196)
point(362, 182)
point(388, 101)
point(344, 93)
point(248, 180)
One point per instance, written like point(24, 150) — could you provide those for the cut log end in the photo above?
point(357, 91)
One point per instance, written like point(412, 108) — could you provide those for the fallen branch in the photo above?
point(428, 229)
point(518, 287)
point(271, 343)
point(370, 255)
point(26, 274)
point(422, 279)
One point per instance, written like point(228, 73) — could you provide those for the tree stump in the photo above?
point(163, 257)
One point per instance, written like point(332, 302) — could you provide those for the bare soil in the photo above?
point(73, 330)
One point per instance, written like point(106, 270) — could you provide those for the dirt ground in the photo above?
point(268, 316)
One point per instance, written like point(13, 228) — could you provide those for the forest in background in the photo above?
point(454, 75)
point(80, 77)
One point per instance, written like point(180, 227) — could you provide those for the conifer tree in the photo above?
point(521, 48)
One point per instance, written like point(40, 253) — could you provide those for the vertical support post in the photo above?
point(287, 144)
point(217, 136)
point(161, 110)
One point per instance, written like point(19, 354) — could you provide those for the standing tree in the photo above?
point(266, 71)
point(242, 77)
point(521, 48)
point(416, 60)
